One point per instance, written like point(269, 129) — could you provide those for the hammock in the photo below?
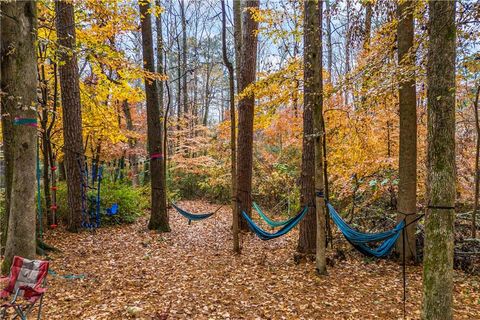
point(264, 235)
point(269, 221)
point(360, 240)
point(190, 216)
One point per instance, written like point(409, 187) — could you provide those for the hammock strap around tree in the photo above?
point(361, 240)
point(270, 222)
point(192, 216)
point(264, 235)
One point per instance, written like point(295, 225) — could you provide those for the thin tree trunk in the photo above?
point(184, 56)
point(368, 24)
point(329, 42)
point(71, 105)
point(441, 175)
point(158, 216)
point(246, 112)
point(231, 87)
point(407, 187)
point(19, 86)
point(132, 142)
point(477, 165)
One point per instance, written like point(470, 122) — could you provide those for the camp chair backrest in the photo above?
point(25, 272)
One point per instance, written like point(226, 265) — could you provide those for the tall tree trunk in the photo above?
point(312, 154)
point(313, 80)
point(237, 37)
point(347, 53)
point(19, 85)
point(163, 112)
point(407, 187)
point(246, 111)
point(368, 24)
point(441, 175)
point(158, 216)
point(231, 96)
point(477, 165)
point(184, 56)
point(329, 41)
point(7, 111)
point(132, 143)
point(72, 113)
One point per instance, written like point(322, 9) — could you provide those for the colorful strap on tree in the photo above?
point(29, 122)
point(155, 156)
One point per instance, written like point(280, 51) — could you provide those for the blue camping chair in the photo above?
point(113, 210)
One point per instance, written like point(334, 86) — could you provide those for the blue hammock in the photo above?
point(360, 240)
point(191, 216)
point(264, 235)
point(270, 222)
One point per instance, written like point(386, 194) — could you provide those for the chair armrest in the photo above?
point(33, 291)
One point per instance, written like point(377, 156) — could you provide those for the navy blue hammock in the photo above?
point(361, 240)
point(264, 235)
point(191, 216)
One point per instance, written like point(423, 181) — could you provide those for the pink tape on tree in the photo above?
point(154, 156)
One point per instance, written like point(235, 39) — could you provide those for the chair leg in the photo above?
point(40, 303)
point(3, 313)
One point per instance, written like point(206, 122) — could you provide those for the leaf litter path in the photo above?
point(191, 273)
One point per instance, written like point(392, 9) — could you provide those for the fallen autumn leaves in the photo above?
point(191, 273)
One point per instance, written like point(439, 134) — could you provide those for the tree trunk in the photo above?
point(163, 113)
point(329, 41)
point(312, 155)
point(19, 85)
point(158, 216)
point(132, 143)
point(313, 88)
point(246, 112)
point(477, 165)
point(184, 56)
point(7, 111)
point(368, 24)
point(237, 37)
point(441, 175)
point(231, 95)
point(407, 187)
point(72, 113)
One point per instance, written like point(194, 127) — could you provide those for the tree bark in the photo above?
point(441, 175)
point(184, 57)
point(231, 100)
point(163, 112)
point(329, 41)
point(19, 86)
point(246, 112)
point(407, 187)
point(72, 113)
point(477, 165)
point(368, 24)
point(132, 143)
point(312, 154)
point(158, 216)
point(7, 112)
point(237, 37)
point(313, 88)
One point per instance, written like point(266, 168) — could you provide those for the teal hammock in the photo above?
point(264, 235)
point(191, 216)
point(361, 240)
point(270, 222)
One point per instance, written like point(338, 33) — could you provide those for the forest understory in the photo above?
point(191, 273)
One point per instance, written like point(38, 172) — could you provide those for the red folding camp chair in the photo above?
point(27, 280)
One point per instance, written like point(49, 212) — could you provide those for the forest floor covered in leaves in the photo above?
point(191, 273)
